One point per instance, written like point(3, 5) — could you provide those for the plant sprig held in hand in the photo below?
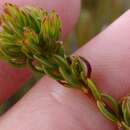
point(30, 36)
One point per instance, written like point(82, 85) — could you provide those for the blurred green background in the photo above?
point(95, 16)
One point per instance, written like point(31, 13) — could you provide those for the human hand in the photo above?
point(51, 106)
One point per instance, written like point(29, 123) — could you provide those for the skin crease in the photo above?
point(50, 106)
point(10, 83)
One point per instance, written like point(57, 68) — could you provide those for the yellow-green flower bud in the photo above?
point(51, 27)
point(26, 32)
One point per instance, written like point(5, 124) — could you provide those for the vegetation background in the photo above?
point(95, 16)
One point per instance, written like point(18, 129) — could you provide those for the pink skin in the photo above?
point(12, 79)
point(109, 55)
point(50, 106)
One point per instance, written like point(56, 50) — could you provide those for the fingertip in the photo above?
point(109, 54)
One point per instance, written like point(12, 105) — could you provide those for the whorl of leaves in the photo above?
point(26, 32)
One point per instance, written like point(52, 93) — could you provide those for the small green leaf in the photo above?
point(93, 89)
point(126, 110)
point(125, 127)
point(44, 61)
point(106, 113)
point(62, 62)
point(69, 78)
point(114, 104)
point(126, 116)
point(77, 67)
point(51, 73)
